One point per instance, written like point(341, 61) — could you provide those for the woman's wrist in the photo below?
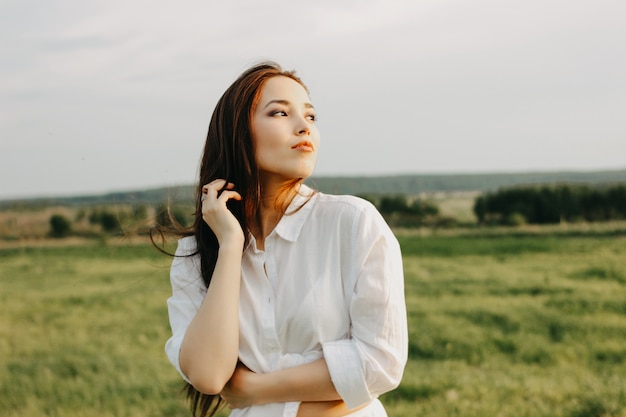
point(264, 388)
point(260, 388)
point(230, 245)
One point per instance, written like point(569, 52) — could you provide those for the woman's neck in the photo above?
point(275, 198)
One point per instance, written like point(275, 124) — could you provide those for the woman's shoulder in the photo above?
point(186, 263)
point(187, 246)
point(343, 203)
point(353, 212)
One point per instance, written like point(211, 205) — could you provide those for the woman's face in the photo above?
point(285, 135)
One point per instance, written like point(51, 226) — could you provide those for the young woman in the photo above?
point(286, 301)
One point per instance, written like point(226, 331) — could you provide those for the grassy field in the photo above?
point(532, 324)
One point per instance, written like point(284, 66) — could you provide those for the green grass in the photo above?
point(500, 325)
point(514, 326)
point(82, 332)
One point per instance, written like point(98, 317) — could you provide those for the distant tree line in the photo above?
point(400, 210)
point(551, 204)
point(107, 220)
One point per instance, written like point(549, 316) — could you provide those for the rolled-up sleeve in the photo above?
point(188, 292)
point(371, 362)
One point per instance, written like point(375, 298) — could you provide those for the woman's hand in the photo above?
point(217, 215)
point(238, 392)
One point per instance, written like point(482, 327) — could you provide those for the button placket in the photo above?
point(272, 343)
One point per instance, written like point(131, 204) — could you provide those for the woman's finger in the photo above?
point(227, 195)
point(219, 184)
point(214, 185)
point(220, 201)
point(214, 188)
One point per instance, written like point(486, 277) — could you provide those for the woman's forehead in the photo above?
point(284, 89)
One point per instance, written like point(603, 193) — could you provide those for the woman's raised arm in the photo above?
point(209, 350)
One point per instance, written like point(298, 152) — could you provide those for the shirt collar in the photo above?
point(290, 225)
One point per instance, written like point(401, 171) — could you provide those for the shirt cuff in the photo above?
point(346, 372)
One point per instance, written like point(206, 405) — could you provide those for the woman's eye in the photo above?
point(312, 117)
point(279, 113)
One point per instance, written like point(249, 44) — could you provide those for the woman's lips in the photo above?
point(304, 146)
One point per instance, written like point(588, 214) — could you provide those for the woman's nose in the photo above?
point(303, 127)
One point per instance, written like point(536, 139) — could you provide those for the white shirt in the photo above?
point(328, 284)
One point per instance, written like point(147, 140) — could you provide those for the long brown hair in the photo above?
point(229, 154)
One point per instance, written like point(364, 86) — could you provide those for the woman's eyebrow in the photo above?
point(286, 103)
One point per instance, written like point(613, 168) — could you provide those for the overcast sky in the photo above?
point(99, 96)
